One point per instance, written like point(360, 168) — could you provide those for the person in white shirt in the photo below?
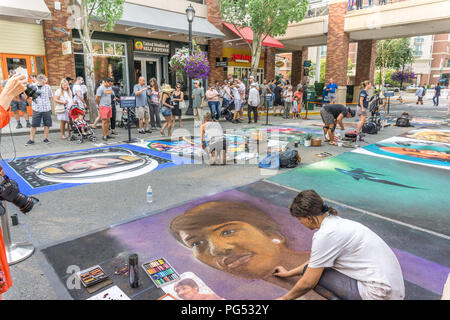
point(78, 92)
point(347, 258)
point(253, 103)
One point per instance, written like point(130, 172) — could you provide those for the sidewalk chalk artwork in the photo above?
point(44, 173)
point(411, 193)
point(190, 287)
point(425, 122)
point(434, 135)
point(228, 244)
point(188, 147)
point(436, 154)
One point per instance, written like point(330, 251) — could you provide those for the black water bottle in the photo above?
point(133, 272)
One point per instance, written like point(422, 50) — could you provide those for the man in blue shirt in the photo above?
point(331, 89)
point(437, 94)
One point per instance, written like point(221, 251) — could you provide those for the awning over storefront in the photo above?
point(246, 34)
point(156, 19)
point(29, 9)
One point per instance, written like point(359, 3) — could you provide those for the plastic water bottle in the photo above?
point(149, 194)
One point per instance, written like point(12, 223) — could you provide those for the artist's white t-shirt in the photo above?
point(356, 251)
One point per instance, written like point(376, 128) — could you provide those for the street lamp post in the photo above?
point(190, 14)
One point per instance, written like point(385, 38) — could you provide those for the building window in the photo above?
point(417, 51)
point(110, 61)
point(418, 40)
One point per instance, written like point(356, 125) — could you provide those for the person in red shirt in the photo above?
point(298, 96)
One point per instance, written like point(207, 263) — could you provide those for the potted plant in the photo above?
point(308, 139)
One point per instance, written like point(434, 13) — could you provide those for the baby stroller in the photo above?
point(128, 113)
point(374, 110)
point(227, 112)
point(74, 111)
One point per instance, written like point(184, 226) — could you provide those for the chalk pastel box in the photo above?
point(160, 271)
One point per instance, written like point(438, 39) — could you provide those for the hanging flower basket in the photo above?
point(178, 61)
point(197, 66)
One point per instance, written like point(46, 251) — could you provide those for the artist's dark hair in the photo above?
point(186, 282)
point(309, 204)
point(218, 212)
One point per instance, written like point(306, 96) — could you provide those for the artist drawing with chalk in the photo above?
point(347, 258)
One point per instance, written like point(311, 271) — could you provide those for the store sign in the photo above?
point(152, 46)
point(67, 47)
point(241, 58)
point(279, 64)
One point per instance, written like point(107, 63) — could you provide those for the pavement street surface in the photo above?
point(72, 212)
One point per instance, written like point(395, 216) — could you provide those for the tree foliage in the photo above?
point(84, 14)
point(264, 17)
point(393, 54)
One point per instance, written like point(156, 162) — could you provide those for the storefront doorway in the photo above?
point(147, 68)
point(24, 64)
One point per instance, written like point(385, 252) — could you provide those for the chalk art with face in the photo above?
point(99, 165)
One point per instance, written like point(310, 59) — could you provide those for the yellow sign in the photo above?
point(67, 47)
point(241, 58)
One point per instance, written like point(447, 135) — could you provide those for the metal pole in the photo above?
point(190, 111)
point(15, 252)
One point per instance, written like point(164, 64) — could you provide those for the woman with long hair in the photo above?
point(154, 104)
point(63, 102)
point(177, 98)
point(363, 104)
point(347, 258)
point(166, 108)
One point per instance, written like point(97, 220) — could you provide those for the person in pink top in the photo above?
point(213, 102)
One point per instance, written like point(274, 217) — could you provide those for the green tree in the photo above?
point(403, 55)
point(264, 17)
point(87, 16)
point(393, 54)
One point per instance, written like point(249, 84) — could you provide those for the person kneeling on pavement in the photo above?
point(333, 114)
point(214, 142)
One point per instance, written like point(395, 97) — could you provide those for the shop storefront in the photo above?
point(151, 59)
point(110, 61)
point(239, 64)
point(126, 58)
point(22, 48)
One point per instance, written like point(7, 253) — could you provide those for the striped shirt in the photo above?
point(42, 103)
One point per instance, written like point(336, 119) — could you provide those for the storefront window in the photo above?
point(97, 47)
point(40, 65)
point(109, 61)
point(108, 49)
point(120, 49)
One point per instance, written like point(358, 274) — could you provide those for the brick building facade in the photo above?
point(59, 66)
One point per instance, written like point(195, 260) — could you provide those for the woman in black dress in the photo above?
point(177, 98)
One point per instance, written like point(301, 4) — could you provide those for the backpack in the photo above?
point(289, 159)
point(403, 122)
point(370, 128)
point(351, 136)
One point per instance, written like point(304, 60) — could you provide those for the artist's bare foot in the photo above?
point(63, 137)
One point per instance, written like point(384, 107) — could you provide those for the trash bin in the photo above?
point(310, 97)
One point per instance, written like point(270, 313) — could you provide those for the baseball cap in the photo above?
point(352, 112)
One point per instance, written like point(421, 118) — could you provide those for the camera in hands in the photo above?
point(9, 191)
point(32, 91)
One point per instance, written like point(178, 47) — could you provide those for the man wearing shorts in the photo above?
point(331, 115)
point(142, 110)
point(331, 89)
point(237, 101)
point(103, 99)
point(42, 110)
